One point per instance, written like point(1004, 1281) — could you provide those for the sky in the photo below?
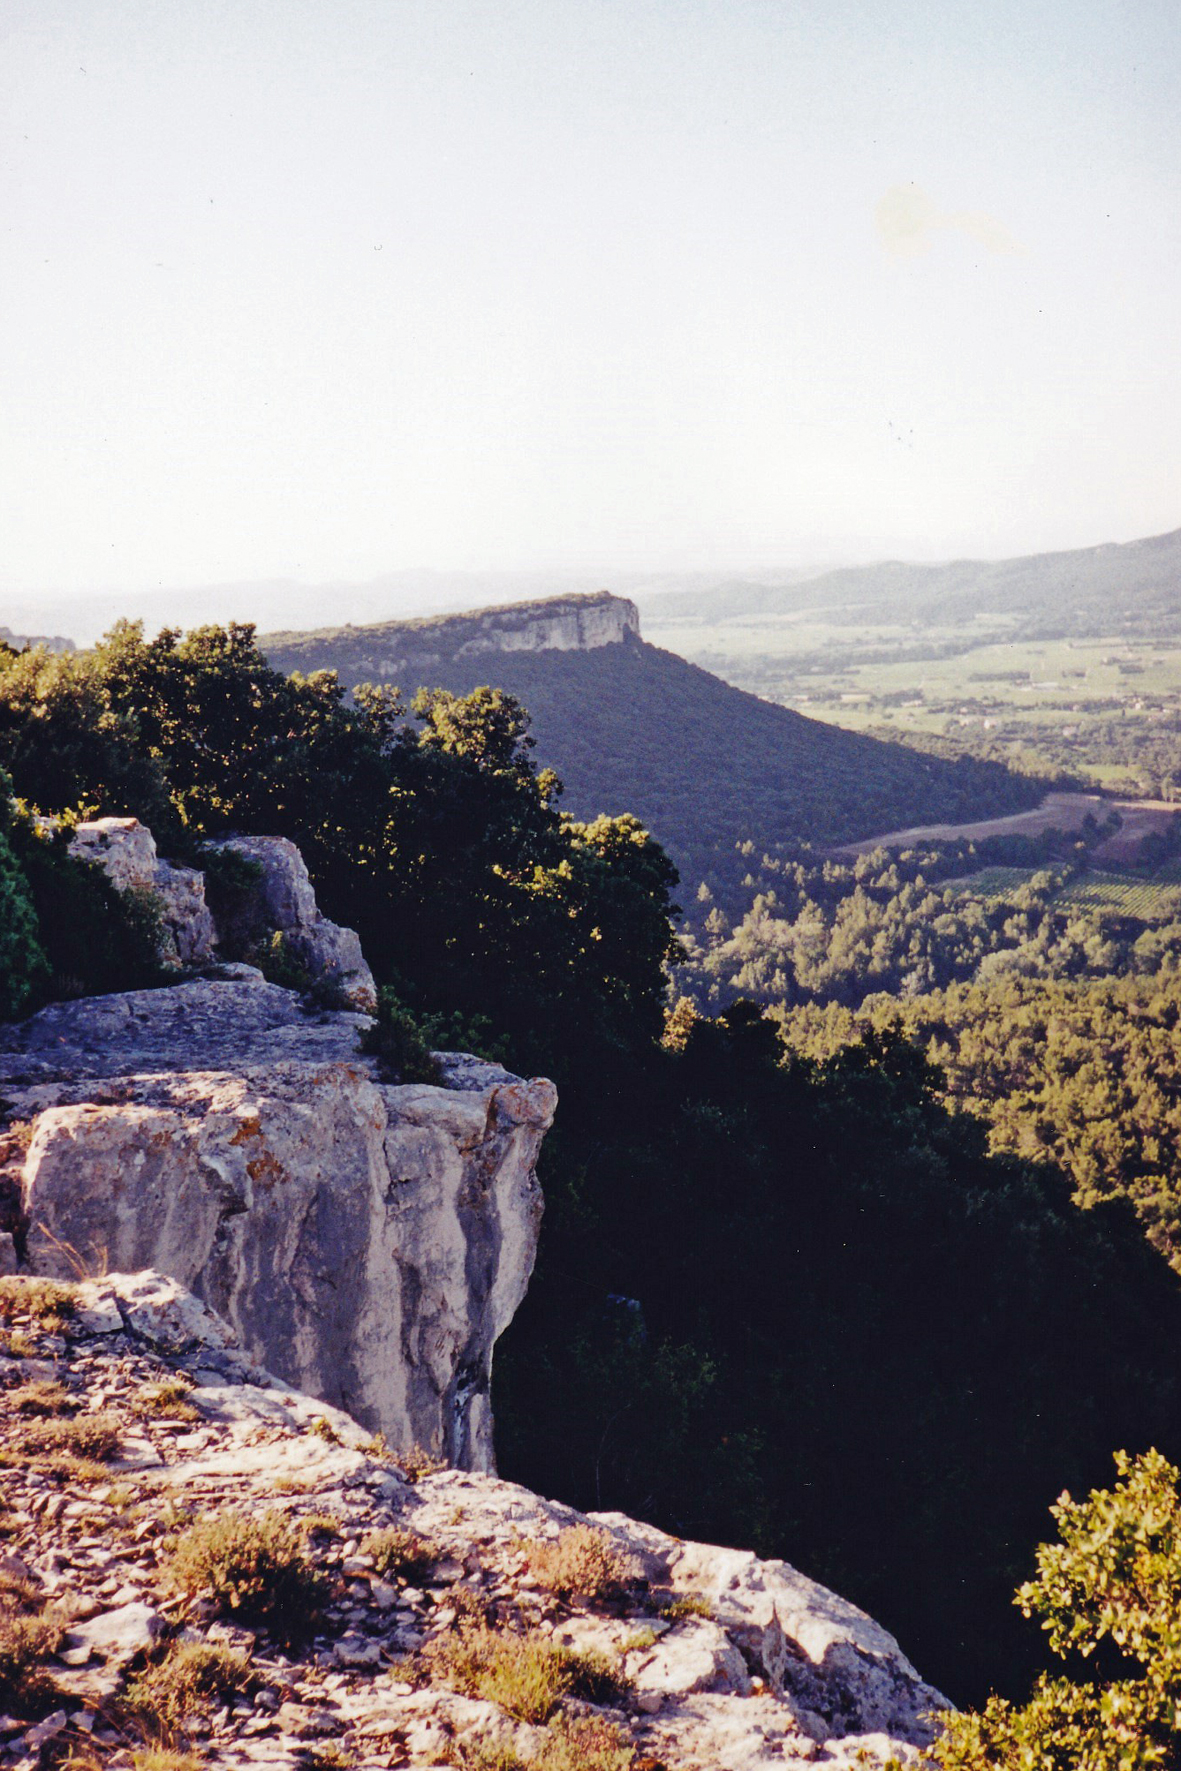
point(323, 291)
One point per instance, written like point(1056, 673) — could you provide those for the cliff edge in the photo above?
point(408, 652)
point(401, 1616)
point(368, 1242)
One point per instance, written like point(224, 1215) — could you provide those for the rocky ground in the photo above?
point(394, 1615)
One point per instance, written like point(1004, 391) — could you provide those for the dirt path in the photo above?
point(1061, 811)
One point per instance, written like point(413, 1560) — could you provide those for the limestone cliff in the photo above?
point(695, 1659)
point(368, 1242)
point(411, 652)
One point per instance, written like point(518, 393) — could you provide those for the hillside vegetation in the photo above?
point(1083, 1071)
point(703, 765)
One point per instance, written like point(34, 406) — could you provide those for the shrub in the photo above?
point(253, 1565)
point(162, 1758)
point(41, 1396)
point(94, 1437)
point(417, 1463)
point(183, 1686)
point(584, 1563)
point(232, 884)
point(171, 1398)
point(1109, 1592)
point(279, 964)
point(96, 938)
point(24, 969)
point(683, 1605)
point(527, 1675)
point(398, 1043)
point(400, 1553)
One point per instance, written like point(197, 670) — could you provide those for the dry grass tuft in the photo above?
point(162, 1758)
point(570, 1743)
point(397, 1553)
point(30, 1633)
point(40, 1396)
point(684, 1605)
point(583, 1563)
point(527, 1675)
point(43, 1301)
point(174, 1692)
point(91, 1436)
point(170, 1398)
point(253, 1566)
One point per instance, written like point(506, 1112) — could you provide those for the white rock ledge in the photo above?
point(367, 1242)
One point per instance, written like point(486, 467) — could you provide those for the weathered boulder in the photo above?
point(125, 849)
point(368, 1242)
point(284, 902)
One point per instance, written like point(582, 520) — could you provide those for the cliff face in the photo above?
point(368, 1242)
point(705, 1657)
point(408, 651)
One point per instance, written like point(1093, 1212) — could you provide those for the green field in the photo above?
point(1105, 709)
point(1148, 900)
point(1156, 900)
point(994, 882)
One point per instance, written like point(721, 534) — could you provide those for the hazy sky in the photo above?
point(333, 287)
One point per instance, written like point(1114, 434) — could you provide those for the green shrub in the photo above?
point(278, 964)
point(231, 884)
point(1110, 1594)
point(683, 1605)
point(24, 969)
point(252, 1565)
point(96, 939)
point(398, 1042)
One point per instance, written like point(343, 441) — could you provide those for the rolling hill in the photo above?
point(629, 727)
point(1135, 586)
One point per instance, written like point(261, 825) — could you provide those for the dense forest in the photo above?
point(781, 1300)
point(1082, 1071)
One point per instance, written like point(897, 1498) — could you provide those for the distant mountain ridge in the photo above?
point(631, 728)
point(1135, 584)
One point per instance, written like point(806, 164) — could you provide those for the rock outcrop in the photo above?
point(279, 907)
point(125, 849)
point(708, 1659)
point(283, 904)
point(368, 1242)
point(407, 652)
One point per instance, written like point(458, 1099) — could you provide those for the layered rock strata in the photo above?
point(368, 1242)
point(719, 1661)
